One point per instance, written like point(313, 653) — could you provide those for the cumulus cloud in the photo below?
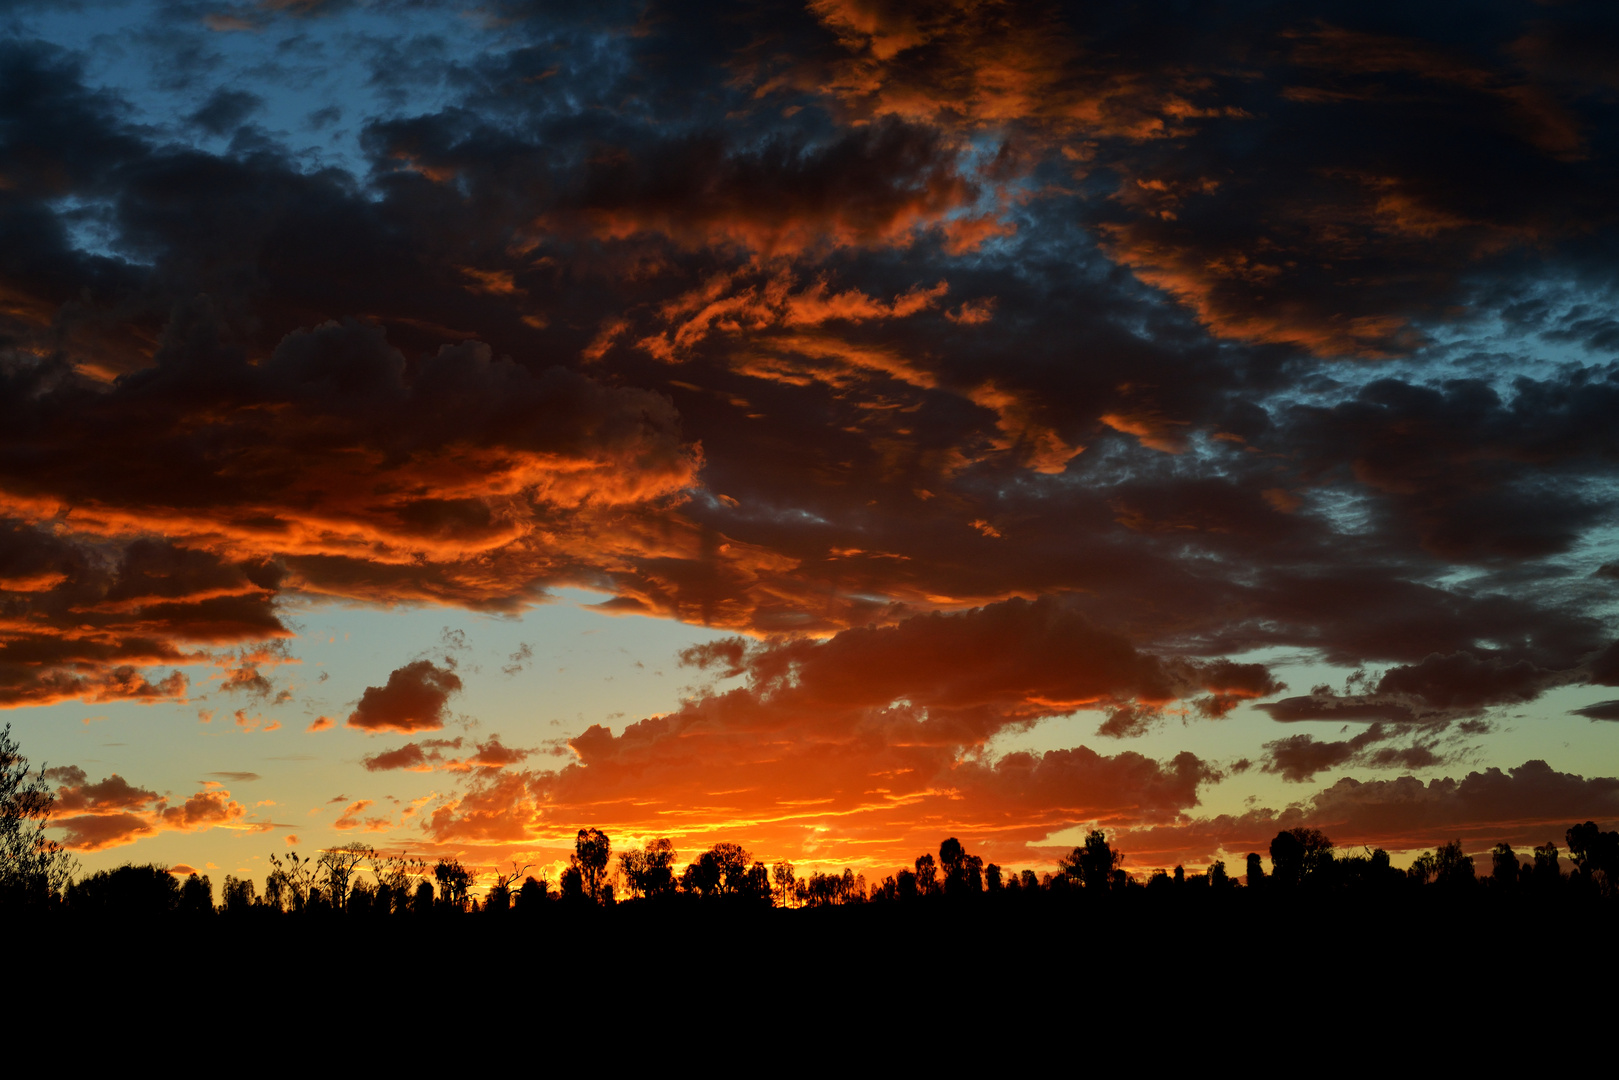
point(113, 812)
point(415, 698)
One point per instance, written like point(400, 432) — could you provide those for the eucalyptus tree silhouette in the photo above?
point(963, 873)
point(33, 868)
point(500, 894)
point(1504, 866)
point(1547, 874)
point(1299, 854)
point(591, 850)
point(1453, 867)
point(1093, 862)
point(337, 866)
point(782, 875)
point(196, 896)
point(454, 883)
point(650, 872)
point(1595, 855)
point(289, 885)
point(927, 875)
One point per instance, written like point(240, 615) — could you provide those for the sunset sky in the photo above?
point(827, 427)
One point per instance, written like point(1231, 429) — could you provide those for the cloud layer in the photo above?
point(975, 364)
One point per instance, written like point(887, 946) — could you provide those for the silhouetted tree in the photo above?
point(1030, 882)
point(992, 878)
point(397, 879)
point(1547, 873)
point(237, 895)
point(500, 894)
point(1299, 854)
point(1093, 862)
point(963, 873)
point(927, 876)
point(363, 900)
point(887, 891)
point(1256, 869)
point(724, 870)
point(571, 885)
point(33, 869)
point(1453, 867)
point(591, 850)
point(289, 884)
point(1504, 866)
point(129, 891)
point(532, 896)
point(651, 871)
point(1217, 876)
point(454, 883)
point(1595, 855)
point(336, 867)
point(421, 901)
point(196, 896)
point(783, 876)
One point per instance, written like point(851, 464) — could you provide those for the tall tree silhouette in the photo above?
point(782, 875)
point(927, 875)
point(1595, 855)
point(1093, 862)
point(454, 883)
point(32, 868)
point(289, 884)
point(650, 872)
point(337, 866)
point(1547, 873)
point(1504, 866)
point(1299, 854)
point(591, 851)
point(1453, 867)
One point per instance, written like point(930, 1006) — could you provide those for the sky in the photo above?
point(826, 427)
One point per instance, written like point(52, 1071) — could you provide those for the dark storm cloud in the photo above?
point(226, 110)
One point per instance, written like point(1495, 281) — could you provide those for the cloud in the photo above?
point(114, 812)
point(351, 819)
point(867, 741)
point(414, 699)
point(1529, 804)
point(430, 754)
point(976, 364)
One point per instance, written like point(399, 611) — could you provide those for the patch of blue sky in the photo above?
point(315, 80)
point(581, 667)
point(90, 226)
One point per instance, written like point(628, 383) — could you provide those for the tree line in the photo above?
point(356, 880)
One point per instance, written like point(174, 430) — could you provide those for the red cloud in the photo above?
point(414, 699)
point(864, 746)
point(115, 812)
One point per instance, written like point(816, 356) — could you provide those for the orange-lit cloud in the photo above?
point(861, 746)
point(114, 812)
